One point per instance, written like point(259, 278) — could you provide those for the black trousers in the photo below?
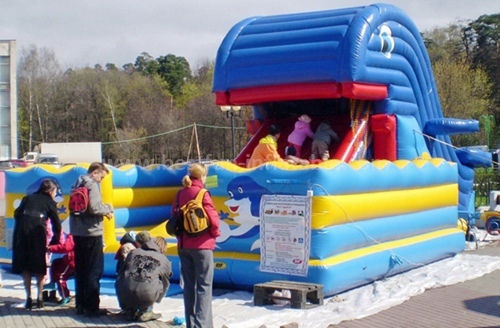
point(89, 267)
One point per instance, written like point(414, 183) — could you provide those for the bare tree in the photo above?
point(38, 73)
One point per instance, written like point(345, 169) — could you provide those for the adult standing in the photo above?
point(30, 237)
point(87, 231)
point(196, 253)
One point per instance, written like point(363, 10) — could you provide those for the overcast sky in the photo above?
point(88, 32)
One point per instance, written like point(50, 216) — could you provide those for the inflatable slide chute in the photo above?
point(386, 201)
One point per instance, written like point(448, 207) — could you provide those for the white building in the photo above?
point(8, 100)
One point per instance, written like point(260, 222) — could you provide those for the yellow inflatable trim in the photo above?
point(357, 253)
point(358, 164)
point(230, 166)
point(340, 209)
point(343, 257)
point(143, 197)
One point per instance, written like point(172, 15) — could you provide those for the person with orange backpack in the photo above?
point(196, 252)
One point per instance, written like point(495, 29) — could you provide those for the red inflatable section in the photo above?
point(353, 90)
point(383, 127)
point(352, 142)
point(285, 92)
point(253, 126)
point(303, 91)
point(339, 123)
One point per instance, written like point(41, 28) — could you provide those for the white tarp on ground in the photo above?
point(235, 309)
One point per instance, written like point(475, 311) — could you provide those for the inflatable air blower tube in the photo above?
point(493, 226)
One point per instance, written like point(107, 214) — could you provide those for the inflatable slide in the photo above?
point(388, 199)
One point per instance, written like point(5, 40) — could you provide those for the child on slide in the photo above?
point(301, 131)
point(323, 137)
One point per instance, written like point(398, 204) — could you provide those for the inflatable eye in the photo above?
point(230, 194)
point(385, 45)
point(386, 40)
point(240, 190)
point(16, 203)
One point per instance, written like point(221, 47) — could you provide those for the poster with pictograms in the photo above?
point(285, 234)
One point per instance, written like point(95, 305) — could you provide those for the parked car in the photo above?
point(30, 156)
point(46, 158)
point(6, 165)
point(19, 162)
point(12, 163)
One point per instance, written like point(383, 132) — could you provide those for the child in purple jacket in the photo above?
point(301, 131)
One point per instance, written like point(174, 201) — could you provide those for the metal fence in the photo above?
point(485, 180)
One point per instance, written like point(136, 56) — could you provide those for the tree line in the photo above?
point(138, 112)
point(144, 111)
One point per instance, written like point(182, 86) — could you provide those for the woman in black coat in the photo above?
point(30, 237)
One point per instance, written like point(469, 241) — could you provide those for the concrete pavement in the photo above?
point(474, 303)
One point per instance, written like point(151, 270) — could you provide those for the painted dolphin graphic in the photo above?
point(32, 188)
point(245, 195)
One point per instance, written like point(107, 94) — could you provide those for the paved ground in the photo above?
point(474, 303)
point(57, 316)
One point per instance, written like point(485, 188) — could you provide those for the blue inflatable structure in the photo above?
point(389, 198)
point(372, 53)
point(365, 70)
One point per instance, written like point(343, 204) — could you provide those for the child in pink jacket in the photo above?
point(62, 268)
point(301, 131)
